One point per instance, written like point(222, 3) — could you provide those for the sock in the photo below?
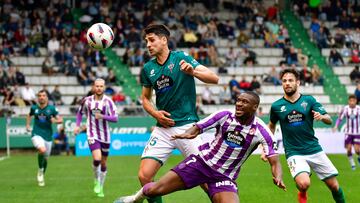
point(103, 175)
point(45, 164)
point(351, 160)
point(41, 158)
point(145, 190)
point(302, 197)
point(338, 196)
point(96, 169)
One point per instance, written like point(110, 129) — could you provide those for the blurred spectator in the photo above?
point(255, 85)
point(302, 58)
point(317, 78)
point(273, 77)
point(240, 21)
point(243, 40)
point(355, 75)
point(335, 58)
point(189, 37)
point(225, 95)
point(5, 62)
point(133, 38)
point(101, 72)
point(12, 76)
point(214, 56)
point(61, 141)
point(28, 95)
point(56, 95)
point(355, 58)
point(111, 79)
point(84, 76)
point(74, 104)
point(357, 93)
point(9, 98)
point(137, 58)
point(119, 98)
point(53, 45)
point(51, 99)
point(244, 84)
point(232, 57)
point(305, 76)
point(20, 77)
point(203, 57)
point(321, 39)
point(234, 88)
point(47, 67)
point(249, 57)
point(207, 96)
point(292, 58)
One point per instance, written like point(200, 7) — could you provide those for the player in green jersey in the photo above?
point(41, 136)
point(171, 74)
point(296, 113)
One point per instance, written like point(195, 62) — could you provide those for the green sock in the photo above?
point(338, 196)
point(157, 199)
point(41, 158)
point(45, 164)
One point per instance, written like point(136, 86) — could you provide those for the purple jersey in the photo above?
point(98, 129)
point(352, 116)
point(233, 142)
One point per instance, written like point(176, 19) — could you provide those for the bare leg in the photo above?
point(225, 197)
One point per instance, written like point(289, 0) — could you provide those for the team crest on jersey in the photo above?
point(304, 105)
point(283, 109)
point(170, 67)
point(36, 110)
point(152, 72)
point(252, 131)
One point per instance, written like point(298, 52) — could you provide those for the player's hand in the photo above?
point(183, 136)
point(28, 128)
point(53, 119)
point(317, 115)
point(186, 67)
point(334, 129)
point(98, 116)
point(263, 157)
point(164, 120)
point(278, 182)
point(76, 130)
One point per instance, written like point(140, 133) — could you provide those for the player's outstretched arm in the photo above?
point(190, 133)
point(272, 126)
point(324, 118)
point(28, 121)
point(276, 171)
point(200, 72)
point(161, 116)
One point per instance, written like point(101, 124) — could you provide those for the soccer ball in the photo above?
point(100, 36)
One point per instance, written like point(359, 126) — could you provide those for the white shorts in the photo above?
point(318, 162)
point(159, 146)
point(38, 142)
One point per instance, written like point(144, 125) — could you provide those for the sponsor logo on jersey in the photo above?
point(283, 109)
point(295, 118)
point(163, 84)
point(234, 139)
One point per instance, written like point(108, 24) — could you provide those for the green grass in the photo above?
point(69, 179)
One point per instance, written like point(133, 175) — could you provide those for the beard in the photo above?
point(291, 93)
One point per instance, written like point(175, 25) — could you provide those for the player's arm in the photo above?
point(57, 119)
point(272, 126)
point(338, 120)
point(79, 115)
point(161, 116)
point(200, 72)
point(276, 171)
point(324, 118)
point(190, 133)
point(28, 121)
point(109, 116)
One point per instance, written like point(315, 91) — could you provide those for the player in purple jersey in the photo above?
point(218, 164)
point(351, 113)
point(99, 110)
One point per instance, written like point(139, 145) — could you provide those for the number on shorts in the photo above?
point(292, 165)
point(91, 141)
point(193, 159)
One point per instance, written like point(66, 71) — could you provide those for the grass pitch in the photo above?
point(70, 179)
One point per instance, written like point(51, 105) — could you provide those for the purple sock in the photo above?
point(146, 188)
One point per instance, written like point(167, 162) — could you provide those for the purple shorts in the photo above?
point(96, 144)
point(352, 139)
point(194, 171)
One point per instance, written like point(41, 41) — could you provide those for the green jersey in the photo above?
point(296, 122)
point(174, 89)
point(42, 121)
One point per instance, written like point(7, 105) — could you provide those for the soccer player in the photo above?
point(218, 164)
point(351, 113)
point(99, 110)
point(296, 113)
point(171, 74)
point(41, 136)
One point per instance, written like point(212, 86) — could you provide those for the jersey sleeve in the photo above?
point(267, 139)
point(213, 120)
point(273, 117)
point(316, 106)
point(32, 110)
point(189, 59)
point(112, 110)
point(82, 108)
point(144, 79)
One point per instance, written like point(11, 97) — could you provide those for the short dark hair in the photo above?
point(292, 71)
point(42, 91)
point(352, 96)
point(157, 29)
point(254, 95)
